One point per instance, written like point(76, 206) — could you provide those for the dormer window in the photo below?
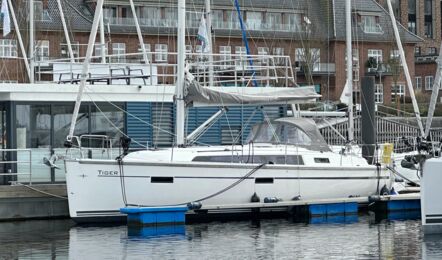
point(370, 24)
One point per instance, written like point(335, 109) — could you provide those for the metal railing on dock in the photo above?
point(13, 165)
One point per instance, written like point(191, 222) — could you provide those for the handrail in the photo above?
point(269, 70)
point(17, 162)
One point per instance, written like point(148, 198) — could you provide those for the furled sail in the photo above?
point(197, 95)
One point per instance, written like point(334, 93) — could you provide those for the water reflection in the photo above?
point(275, 239)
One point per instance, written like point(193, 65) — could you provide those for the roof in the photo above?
point(370, 7)
point(327, 18)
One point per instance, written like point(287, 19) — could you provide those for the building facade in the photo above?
point(311, 33)
point(423, 18)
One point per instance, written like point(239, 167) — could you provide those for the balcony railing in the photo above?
point(228, 70)
point(167, 23)
point(320, 68)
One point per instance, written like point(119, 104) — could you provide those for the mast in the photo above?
point(66, 33)
point(20, 40)
point(349, 70)
point(209, 36)
point(85, 69)
point(406, 72)
point(434, 94)
point(180, 105)
point(31, 41)
point(140, 36)
point(102, 40)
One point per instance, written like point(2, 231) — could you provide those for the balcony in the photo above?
point(167, 23)
point(318, 69)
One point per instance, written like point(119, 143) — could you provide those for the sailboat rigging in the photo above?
point(287, 157)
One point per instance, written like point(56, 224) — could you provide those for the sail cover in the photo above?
point(197, 95)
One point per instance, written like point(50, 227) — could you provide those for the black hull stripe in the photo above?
point(434, 220)
point(251, 178)
point(434, 215)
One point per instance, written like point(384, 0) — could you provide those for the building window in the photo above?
point(8, 48)
point(171, 16)
point(225, 55)
point(293, 21)
point(370, 24)
point(429, 82)
point(355, 55)
point(418, 82)
point(374, 59)
point(199, 53)
point(110, 12)
point(160, 52)
point(75, 49)
point(412, 16)
point(273, 20)
point(148, 51)
point(98, 48)
point(428, 25)
point(118, 52)
point(398, 92)
point(379, 93)
point(278, 51)
point(42, 50)
point(241, 54)
point(263, 51)
point(395, 60)
point(232, 21)
point(254, 20)
point(147, 13)
point(218, 19)
point(431, 51)
point(310, 60)
point(417, 51)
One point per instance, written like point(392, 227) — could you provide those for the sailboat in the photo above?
point(285, 158)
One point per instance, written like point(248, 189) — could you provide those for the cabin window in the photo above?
point(264, 180)
point(161, 179)
point(259, 159)
point(322, 160)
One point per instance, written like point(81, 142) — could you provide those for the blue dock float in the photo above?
point(396, 207)
point(154, 216)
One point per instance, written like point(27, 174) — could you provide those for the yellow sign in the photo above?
point(387, 153)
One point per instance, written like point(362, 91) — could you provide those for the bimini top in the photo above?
point(289, 130)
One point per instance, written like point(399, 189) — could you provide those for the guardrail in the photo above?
point(228, 69)
point(16, 163)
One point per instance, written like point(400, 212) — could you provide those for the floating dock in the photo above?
point(391, 206)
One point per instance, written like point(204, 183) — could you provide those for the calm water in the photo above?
point(267, 239)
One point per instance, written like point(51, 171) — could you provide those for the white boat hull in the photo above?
point(95, 187)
